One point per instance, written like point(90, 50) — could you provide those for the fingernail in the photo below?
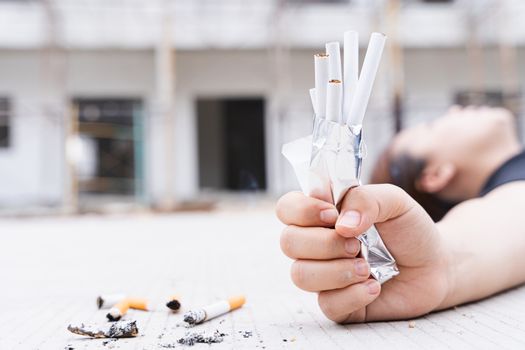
point(373, 286)
point(352, 246)
point(350, 219)
point(329, 215)
point(361, 268)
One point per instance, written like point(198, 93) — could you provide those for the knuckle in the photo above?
point(328, 307)
point(280, 207)
point(330, 240)
point(287, 241)
point(297, 274)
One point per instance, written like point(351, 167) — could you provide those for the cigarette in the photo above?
point(106, 301)
point(350, 69)
point(173, 303)
point(122, 329)
point(209, 312)
point(118, 310)
point(334, 97)
point(334, 61)
point(366, 79)
point(313, 98)
point(321, 79)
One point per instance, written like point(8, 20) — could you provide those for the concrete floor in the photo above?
point(52, 269)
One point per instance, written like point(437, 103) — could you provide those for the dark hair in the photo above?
point(404, 171)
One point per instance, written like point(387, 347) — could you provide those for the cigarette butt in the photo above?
point(236, 302)
point(174, 303)
point(138, 304)
point(118, 310)
point(105, 301)
point(209, 312)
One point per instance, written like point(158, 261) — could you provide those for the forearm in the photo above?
point(485, 247)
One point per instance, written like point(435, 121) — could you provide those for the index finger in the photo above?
point(294, 208)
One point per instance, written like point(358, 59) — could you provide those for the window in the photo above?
point(5, 132)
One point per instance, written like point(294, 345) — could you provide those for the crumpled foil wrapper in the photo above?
point(327, 164)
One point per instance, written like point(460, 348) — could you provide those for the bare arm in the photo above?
point(485, 243)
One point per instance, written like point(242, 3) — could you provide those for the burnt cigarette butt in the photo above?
point(209, 312)
point(173, 303)
point(121, 329)
point(105, 301)
point(138, 304)
point(118, 310)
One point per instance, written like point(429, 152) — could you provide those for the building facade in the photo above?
point(159, 102)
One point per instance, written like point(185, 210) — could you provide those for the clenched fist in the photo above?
point(322, 241)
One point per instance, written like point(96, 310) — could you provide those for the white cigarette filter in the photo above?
point(105, 301)
point(321, 79)
point(313, 99)
point(333, 51)
point(350, 69)
point(334, 98)
point(209, 312)
point(366, 79)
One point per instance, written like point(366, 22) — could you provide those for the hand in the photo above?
point(325, 258)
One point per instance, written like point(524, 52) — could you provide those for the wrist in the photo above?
point(449, 266)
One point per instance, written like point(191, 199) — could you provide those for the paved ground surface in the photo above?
point(52, 269)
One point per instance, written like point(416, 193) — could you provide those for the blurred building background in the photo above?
point(154, 103)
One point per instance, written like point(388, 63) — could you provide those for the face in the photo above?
point(457, 135)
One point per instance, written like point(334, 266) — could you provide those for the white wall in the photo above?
point(31, 166)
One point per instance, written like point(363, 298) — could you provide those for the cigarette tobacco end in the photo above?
point(173, 305)
point(321, 55)
point(112, 318)
point(335, 81)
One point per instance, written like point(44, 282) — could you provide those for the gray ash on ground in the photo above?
point(192, 338)
point(106, 342)
point(246, 334)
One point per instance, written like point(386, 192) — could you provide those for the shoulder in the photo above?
point(511, 190)
point(507, 199)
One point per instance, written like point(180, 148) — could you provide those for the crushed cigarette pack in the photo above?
point(328, 162)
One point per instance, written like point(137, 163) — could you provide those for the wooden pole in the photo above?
point(165, 77)
point(54, 104)
point(396, 61)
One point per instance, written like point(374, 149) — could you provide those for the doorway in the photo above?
point(231, 142)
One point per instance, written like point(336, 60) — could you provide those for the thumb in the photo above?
point(407, 230)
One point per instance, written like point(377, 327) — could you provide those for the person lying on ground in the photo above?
point(464, 241)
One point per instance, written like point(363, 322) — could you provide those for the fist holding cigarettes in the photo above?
point(327, 262)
